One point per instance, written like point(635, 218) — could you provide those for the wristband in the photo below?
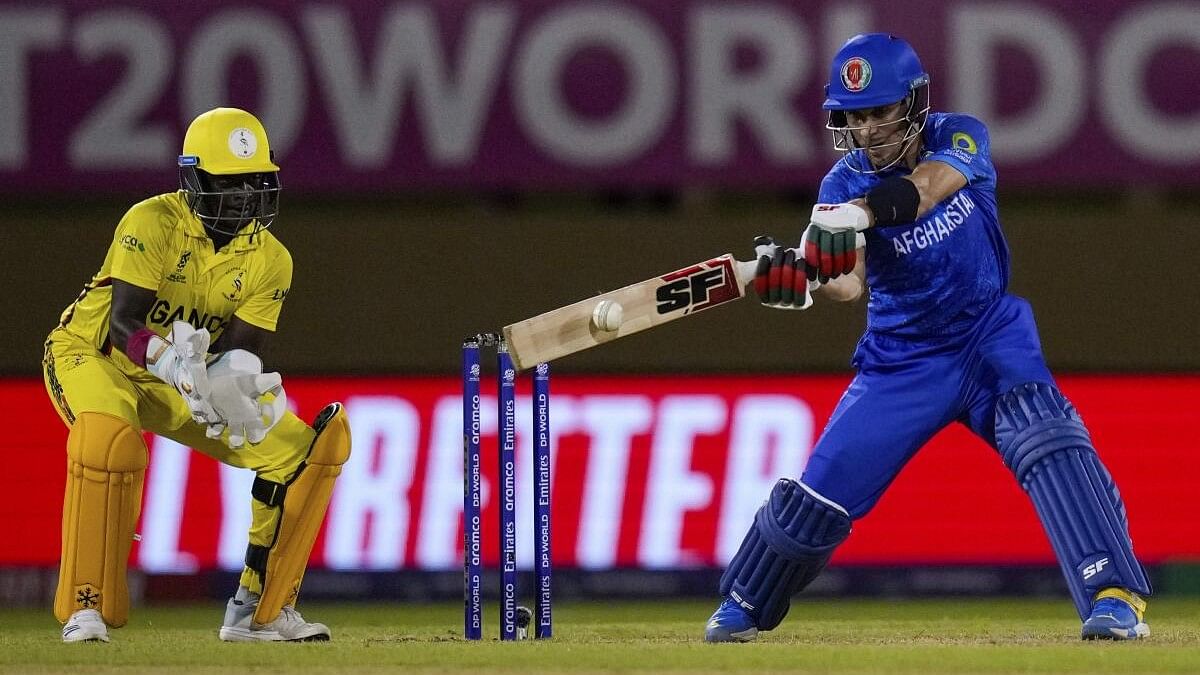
point(135, 346)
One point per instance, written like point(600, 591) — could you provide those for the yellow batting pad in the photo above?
point(106, 465)
point(303, 510)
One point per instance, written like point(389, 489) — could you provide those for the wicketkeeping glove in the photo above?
point(249, 401)
point(179, 361)
point(779, 279)
point(832, 240)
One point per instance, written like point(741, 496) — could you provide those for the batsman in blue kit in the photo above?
point(909, 211)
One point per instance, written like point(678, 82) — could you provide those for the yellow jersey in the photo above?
point(162, 246)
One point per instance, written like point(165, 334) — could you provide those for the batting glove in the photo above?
point(832, 240)
point(779, 278)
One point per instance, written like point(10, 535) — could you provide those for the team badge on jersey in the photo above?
point(231, 284)
point(856, 74)
point(242, 143)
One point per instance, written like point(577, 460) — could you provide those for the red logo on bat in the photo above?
point(698, 287)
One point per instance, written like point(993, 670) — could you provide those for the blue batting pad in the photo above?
point(1044, 443)
point(792, 538)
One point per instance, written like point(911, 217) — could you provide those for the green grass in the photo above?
point(827, 636)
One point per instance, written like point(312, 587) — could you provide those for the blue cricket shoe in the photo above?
point(730, 623)
point(1116, 615)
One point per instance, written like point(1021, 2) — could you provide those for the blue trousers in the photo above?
point(906, 391)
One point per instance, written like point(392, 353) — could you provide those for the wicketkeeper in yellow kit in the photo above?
point(133, 354)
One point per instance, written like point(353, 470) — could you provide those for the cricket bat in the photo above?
point(639, 306)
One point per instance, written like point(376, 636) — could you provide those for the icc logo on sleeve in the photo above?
point(963, 141)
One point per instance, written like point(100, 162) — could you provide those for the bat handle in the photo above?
point(744, 269)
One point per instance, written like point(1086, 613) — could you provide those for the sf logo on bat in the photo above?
point(698, 287)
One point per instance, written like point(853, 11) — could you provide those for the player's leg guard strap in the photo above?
point(304, 503)
point(268, 492)
point(106, 466)
point(256, 559)
point(792, 538)
point(1044, 443)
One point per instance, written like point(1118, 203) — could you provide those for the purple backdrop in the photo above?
point(359, 96)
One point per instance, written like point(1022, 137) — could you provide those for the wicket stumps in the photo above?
point(506, 378)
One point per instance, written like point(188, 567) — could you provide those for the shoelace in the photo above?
point(290, 615)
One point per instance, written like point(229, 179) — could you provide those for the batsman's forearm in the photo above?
point(845, 288)
point(848, 287)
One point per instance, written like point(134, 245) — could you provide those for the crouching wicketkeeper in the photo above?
point(133, 354)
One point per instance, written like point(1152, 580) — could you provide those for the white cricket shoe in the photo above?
point(84, 626)
point(239, 623)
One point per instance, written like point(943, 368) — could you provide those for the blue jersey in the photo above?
point(936, 276)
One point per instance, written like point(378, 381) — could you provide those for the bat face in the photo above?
point(698, 287)
point(649, 303)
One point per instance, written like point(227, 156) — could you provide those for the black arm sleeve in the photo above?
point(895, 200)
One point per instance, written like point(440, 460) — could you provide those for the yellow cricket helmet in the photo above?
point(228, 172)
point(227, 141)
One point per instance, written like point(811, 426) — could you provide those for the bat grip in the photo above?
point(744, 269)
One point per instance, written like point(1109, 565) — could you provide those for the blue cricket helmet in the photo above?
point(871, 70)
